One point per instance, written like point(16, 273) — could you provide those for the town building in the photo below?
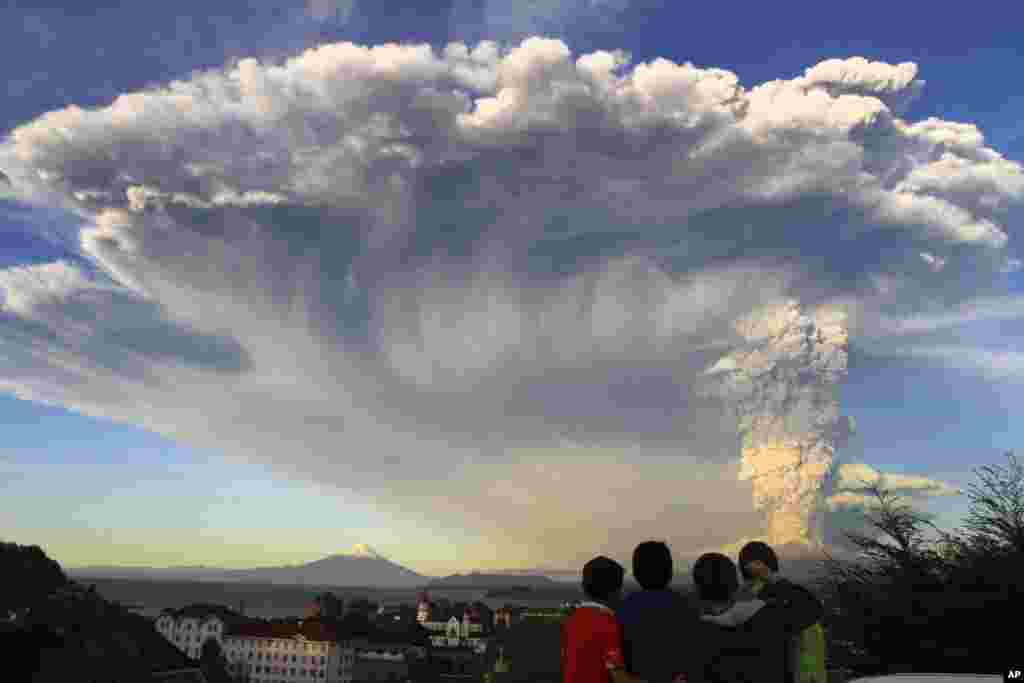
point(508, 615)
point(455, 626)
point(383, 656)
point(458, 663)
point(306, 650)
point(423, 607)
point(189, 627)
point(399, 648)
point(404, 615)
point(326, 605)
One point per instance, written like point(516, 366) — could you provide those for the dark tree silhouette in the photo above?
point(213, 662)
point(356, 624)
point(331, 606)
point(995, 522)
point(27, 575)
point(917, 604)
point(899, 550)
point(361, 605)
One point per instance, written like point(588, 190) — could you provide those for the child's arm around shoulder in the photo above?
point(738, 614)
point(613, 653)
point(796, 607)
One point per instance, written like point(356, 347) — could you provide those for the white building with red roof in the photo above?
point(304, 651)
point(189, 627)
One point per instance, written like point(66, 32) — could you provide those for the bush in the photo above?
point(27, 576)
point(910, 604)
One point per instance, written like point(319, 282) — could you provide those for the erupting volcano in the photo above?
point(782, 388)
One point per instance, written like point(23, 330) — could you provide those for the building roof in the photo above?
point(318, 630)
point(310, 629)
point(510, 609)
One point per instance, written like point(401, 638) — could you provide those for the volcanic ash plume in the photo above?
point(782, 385)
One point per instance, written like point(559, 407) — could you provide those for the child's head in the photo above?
point(602, 578)
point(757, 551)
point(652, 565)
point(715, 577)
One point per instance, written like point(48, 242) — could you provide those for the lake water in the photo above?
point(270, 602)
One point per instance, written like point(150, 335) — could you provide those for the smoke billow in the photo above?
point(782, 386)
point(417, 275)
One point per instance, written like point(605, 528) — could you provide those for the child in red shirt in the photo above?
point(592, 636)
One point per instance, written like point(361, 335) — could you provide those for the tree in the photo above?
point(899, 550)
point(331, 606)
point(889, 591)
point(995, 522)
point(213, 663)
point(908, 598)
point(356, 624)
point(360, 605)
point(28, 576)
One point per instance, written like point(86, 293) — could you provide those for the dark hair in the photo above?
point(602, 578)
point(756, 550)
point(715, 576)
point(652, 565)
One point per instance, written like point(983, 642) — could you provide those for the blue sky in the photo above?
point(94, 484)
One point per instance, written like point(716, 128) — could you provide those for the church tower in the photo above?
point(423, 608)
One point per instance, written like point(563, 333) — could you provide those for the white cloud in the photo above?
point(399, 271)
point(852, 479)
point(954, 338)
point(981, 310)
point(851, 503)
point(999, 366)
point(28, 288)
point(896, 85)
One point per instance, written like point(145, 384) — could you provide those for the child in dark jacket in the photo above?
point(656, 621)
point(755, 648)
point(759, 565)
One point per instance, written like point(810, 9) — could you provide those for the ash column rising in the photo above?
point(781, 385)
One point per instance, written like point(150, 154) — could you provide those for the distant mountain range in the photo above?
point(493, 580)
point(559, 575)
point(798, 563)
point(363, 567)
point(360, 567)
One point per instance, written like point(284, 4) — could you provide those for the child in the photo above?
point(755, 646)
point(760, 566)
point(656, 619)
point(592, 636)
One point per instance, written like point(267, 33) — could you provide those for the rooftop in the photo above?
point(310, 629)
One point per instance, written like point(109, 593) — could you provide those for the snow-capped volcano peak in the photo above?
point(363, 550)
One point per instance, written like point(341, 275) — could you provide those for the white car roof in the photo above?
point(931, 678)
